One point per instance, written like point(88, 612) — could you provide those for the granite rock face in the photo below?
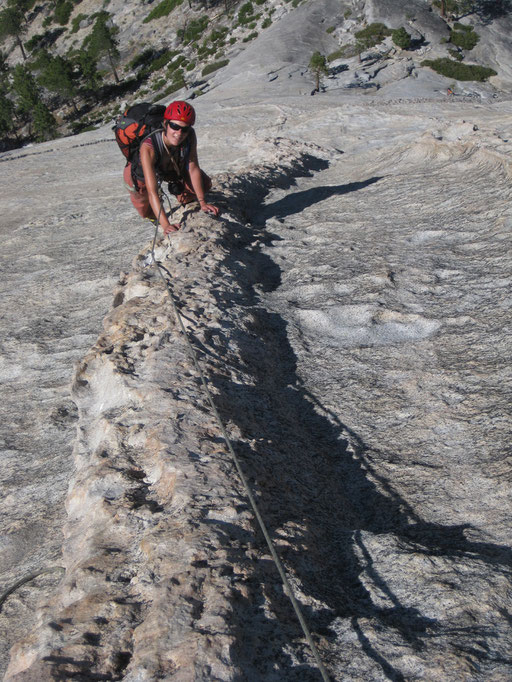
point(351, 311)
point(160, 553)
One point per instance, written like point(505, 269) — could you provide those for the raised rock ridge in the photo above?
point(353, 312)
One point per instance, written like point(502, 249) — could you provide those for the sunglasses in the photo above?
point(176, 126)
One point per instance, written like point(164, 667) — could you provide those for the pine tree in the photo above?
point(88, 71)
point(6, 114)
point(44, 122)
point(24, 86)
point(101, 42)
point(57, 75)
point(4, 69)
point(12, 24)
point(29, 103)
point(318, 65)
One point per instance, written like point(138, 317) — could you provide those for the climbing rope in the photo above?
point(27, 579)
point(161, 269)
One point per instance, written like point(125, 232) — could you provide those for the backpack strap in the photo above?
point(160, 150)
point(137, 172)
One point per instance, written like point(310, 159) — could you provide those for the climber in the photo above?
point(168, 155)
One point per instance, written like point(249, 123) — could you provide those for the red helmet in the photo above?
point(180, 111)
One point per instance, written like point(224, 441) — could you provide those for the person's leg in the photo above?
point(139, 198)
point(188, 193)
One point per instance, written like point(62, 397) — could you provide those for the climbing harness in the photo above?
point(193, 355)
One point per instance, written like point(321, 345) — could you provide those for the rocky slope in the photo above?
point(156, 58)
point(351, 311)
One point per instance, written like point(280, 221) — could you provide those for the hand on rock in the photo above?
point(210, 208)
point(171, 228)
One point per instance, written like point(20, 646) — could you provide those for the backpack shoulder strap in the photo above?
point(158, 144)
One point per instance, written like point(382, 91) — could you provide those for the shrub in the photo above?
point(75, 24)
point(266, 23)
point(161, 61)
point(330, 29)
point(210, 68)
point(35, 41)
point(260, 2)
point(178, 76)
point(218, 34)
point(203, 51)
point(193, 30)
point(401, 38)
point(142, 59)
point(373, 35)
point(172, 68)
point(465, 39)
point(250, 37)
point(172, 88)
point(344, 51)
point(456, 55)
point(162, 10)
point(245, 15)
point(347, 13)
point(451, 6)
point(63, 11)
point(460, 72)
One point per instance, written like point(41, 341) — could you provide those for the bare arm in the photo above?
point(197, 181)
point(147, 158)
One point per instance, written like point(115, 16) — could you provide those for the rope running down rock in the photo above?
point(286, 584)
point(27, 579)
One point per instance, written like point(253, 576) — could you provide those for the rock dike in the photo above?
point(350, 311)
point(166, 575)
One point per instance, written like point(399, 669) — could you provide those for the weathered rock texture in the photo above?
point(352, 312)
point(160, 552)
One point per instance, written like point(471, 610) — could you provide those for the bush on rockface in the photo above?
point(162, 10)
point(465, 37)
point(456, 55)
point(192, 32)
point(372, 35)
point(451, 6)
point(401, 38)
point(246, 13)
point(345, 52)
point(75, 23)
point(62, 12)
point(210, 68)
point(458, 71)
point(142, 59)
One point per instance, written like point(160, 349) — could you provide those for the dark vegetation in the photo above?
point(401, 38)
point(464, 36)
point(485, 10)
point(50, 93)
point(458, 71)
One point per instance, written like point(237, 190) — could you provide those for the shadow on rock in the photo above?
point(488, 10)
point(319, 494)
point(298, 201)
